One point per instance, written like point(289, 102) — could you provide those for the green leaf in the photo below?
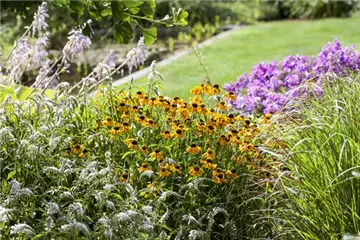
point(11, 175)
point(148, 8)
point(117, 8)
point(127, 154)
point(6, 91)
point(22, 92)
point(133, 6)
point(150, 35)
point(123, 32)
point(106, 12)
point(180, 17)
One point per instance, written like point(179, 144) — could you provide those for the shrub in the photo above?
point(269, 87)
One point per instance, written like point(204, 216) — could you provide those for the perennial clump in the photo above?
point(270, 86)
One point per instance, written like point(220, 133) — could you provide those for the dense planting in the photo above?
point(269, 87)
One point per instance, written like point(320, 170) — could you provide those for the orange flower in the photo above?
point(83, 153)
point(195, 108)
point(222, 105)
point(216, 89)
point(175, 168)
point(126, 126)
point(144, 149)
point(150, 123)
point(209, 90)
point(219, 178)
point(216, 172)
point(232, 173)
point(108, 122)
point(166, 134)
point(131, 143)
point(198, 90)
point(179, 133)
point(209, 154)
point(208, 163)
point(124, 177)
point(195, 171)
point(230, 95)
point(116, 130)
point(193, 149)
point(122, 107)
point(157, 154)
point(267, 118)
point(77, 149)
point(145, 167)
point(163, 172)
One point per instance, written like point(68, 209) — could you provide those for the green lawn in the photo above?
point(229, 57)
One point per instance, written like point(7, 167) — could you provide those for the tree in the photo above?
point(124, 17)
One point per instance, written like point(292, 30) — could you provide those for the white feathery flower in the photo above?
point(22, 228)
point(196, 234)
point(110, 205)
point(138, 55)
point(19, 60)
point(108, 187)
point(39, 22)
point(38, 52)
point(66, 195)
point(77, 209)
point(109, 63)
point(78, 226)
point(52, 208)
point(77, 43)
point(15, 186)
point(4, 214)
point(122, 217)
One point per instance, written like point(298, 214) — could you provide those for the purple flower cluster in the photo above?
point(269, 87)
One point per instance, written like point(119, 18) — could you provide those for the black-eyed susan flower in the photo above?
point(209, 154)
point(77, 148)
point(211, 129)
point(216, 88)
point(198, 90)
point(230, 95)
point(175, 168)
point(166, 134)
point(157, 154)
point(208, 163)
point(144, 149)
point(125, 177)
point(108, 122)
point(195, 171)
point(150, 123)
point(216, 172)
point(232, 173)
point(266, 118)
point(122, 107)
point(179, 133)
point(116, 130)
point(83, 153)
point(222, 105)
point(126, 126)
point(163, 172)
point(145, 167)
point(209, 90)
point(183, 112)
point(195, 108)
point(131, 143)
point(193, 149)
point(219, 178)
